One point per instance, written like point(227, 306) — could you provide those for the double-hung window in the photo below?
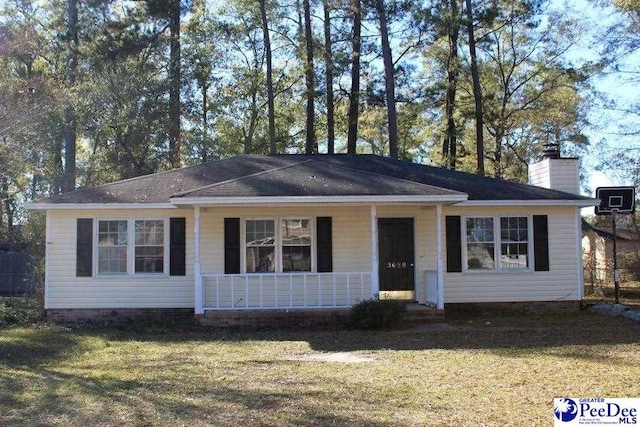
point(260, 240)
point(113, 236)
point(149, 246)
point(497, 243)
point(128, 246)
point(278, 245)
point(296, 245)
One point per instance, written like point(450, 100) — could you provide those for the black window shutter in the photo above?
point(84, 247)
point(177, 247)
point(541, 243)
point(454, 244)
point(232, 245)
point(324, 246)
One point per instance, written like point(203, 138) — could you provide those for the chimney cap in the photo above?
point(551, 150)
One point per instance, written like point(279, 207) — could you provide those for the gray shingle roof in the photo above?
point(311, 177)
point(302, 175)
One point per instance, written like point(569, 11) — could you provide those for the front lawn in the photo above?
point(475, 370)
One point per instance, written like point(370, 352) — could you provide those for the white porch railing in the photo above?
point(284, 290)
point(433, 291)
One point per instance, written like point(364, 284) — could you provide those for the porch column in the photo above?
point(375, 284)
point(578, 228)
point(198, 294)
point(439, 258)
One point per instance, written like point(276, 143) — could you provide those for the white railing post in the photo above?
point(290, 291)
point(334, 290)
point(246, 291)
point(233, 296)
point(261, 293)
point(198, 282)
point(217, 291)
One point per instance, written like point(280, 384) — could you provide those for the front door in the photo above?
point(396, 254)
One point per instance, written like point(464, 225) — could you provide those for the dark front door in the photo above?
point(396, 253)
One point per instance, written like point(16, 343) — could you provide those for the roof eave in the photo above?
point(90, 206)
point(581, 203)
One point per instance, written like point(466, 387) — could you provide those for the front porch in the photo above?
point(352, 245)
point(291, 291)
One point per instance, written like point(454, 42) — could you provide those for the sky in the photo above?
point(605, 123)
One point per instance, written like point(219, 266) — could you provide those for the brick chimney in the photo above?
point(556, 172)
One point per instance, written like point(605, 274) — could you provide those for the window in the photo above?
point(296, 245)
point(514, 243)
point(149, 246)
point(112, 247)
point(131, 246)
point(485, 236)
point(480, 244)
point(286, 248)
point(260, 246)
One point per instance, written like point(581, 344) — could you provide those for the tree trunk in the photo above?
point(328, 64)
point(56, 181)
point(390, 87)
point(270, 102)
point(311, 146)
point(174, 86)
point(497, 166)
point(354, 96)
point(450, 143)
point(204, 153)
point(477, 91)
point(70, 128)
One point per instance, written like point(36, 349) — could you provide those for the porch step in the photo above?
point(418, 314)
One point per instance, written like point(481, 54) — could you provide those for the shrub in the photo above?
point(630, 263)
point(19, 311)
point(376, 314)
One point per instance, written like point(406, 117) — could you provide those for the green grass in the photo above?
point(502, 370)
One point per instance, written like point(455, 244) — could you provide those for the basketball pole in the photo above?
point(616, 273)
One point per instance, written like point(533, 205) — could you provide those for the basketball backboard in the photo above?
point(615, 199)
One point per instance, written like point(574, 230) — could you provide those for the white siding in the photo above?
point(351, 253)
point(65, 290)
point(350, 226)
point(561, 282)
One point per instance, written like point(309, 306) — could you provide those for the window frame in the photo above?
point(97, 248)
point(278, 268)
point(131, 246)
point(497, 245)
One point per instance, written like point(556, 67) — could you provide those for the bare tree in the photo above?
point(328, 64)
point(70, 128)
point(311, 146)
point(390, 88)
point(354, 95)
point(477, 91)
point(449, 147)
point(174, 85)
point(270, 96)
